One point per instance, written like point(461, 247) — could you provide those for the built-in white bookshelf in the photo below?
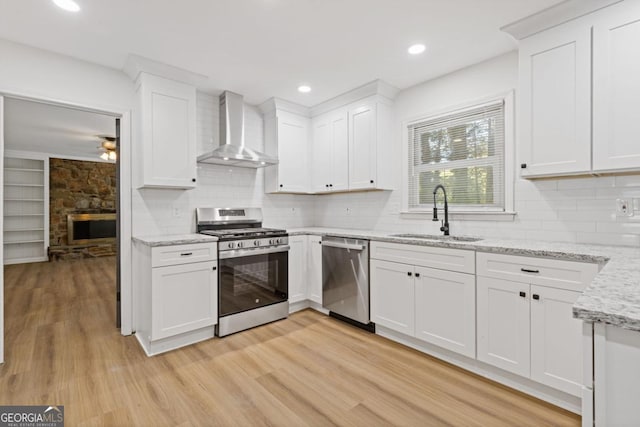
point(26, 210)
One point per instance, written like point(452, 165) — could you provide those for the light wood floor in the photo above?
point(62, 348)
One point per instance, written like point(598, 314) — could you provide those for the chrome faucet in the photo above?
point(445, 223)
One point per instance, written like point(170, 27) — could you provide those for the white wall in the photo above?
point(46, 75)
point(578, 210)
point(154, 209)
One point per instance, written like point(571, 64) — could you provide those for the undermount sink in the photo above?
point(438, 237)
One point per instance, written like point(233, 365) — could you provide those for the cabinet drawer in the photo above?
point(183, 254)
point(570, 275)
point(425, 256)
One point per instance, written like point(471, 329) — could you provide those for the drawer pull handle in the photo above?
point(536, 296)
point(523, 294)
point(528, 270)
point(186, 253)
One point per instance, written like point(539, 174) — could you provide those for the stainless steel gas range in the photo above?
point(253, 281)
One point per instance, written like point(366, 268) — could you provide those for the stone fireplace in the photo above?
point(81, 193)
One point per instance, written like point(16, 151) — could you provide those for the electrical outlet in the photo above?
point(623, 208)
point(177, 212)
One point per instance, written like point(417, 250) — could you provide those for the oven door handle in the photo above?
point(239, 253)
point(344, 246)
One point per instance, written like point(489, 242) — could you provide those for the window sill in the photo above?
point(463, 216)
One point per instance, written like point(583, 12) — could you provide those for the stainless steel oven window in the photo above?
point(248, 282)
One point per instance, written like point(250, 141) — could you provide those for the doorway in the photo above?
point(35, 134)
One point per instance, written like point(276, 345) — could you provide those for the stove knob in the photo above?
point(277, 241)
point(231, 245)
point(271, 241)
point(256, 243)
point(240, 244)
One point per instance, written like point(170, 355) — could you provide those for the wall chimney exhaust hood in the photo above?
point(232, 151)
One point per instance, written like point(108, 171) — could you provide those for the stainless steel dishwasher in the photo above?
point(345, 279)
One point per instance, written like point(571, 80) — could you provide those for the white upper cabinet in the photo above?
point(343, 144)
point(330, 152)
point(369, 145)
point(578, 94)
point(166, 123)
point(616, 88)
point(555, 102)
point(287, 138)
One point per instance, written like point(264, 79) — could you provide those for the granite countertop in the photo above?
point(174, 239)
point(613, 297)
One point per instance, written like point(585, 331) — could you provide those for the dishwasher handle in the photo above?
point(344, 246)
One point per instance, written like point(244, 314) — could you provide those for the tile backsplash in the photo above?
point(578, 210)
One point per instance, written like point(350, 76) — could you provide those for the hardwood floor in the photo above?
point(62, 348)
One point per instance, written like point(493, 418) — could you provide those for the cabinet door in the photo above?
point(339, 151)
point(503, 324)
point(446, 309)
point(392, 296)
point(321, 154)
point(293, 135)
point(297, 269)
point(556, 340)
point(314, 268)
point(616, 88)
point(555, 101)
point(183, 298)
point(168, 133)
point(362, 146)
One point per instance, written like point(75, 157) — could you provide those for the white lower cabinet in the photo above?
point(552, 328)
point(445, 309)
point(314, 268)
point(433, 305)
point(529, 329)
point(298, 289)
point(503, 324)
point(176, 295)
point(392, 296)
point(183, 298)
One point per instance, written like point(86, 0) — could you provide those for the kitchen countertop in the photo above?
point(174, 239)
point(613, 297)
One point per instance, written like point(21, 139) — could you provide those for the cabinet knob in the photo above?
point(523, 165)
point(281, 185)
point(409, 273)
point(523, 294)
point(193, 180)
point(417, 274)
point(535, 296)
point(214, 268)
point(327, 185)
point(330, 185)
point(371, 181)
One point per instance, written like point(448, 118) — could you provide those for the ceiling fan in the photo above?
point(108, 148)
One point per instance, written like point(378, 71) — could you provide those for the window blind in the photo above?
point(464, 151)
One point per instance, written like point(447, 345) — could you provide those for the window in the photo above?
point(463, 151)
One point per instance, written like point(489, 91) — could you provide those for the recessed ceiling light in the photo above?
point(416, 49)
point(304, 89)
point(68, 5)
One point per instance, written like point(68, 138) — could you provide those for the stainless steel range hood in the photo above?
point(232, 151)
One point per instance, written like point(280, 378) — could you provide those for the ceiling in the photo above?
point(45, 128)
point(265, 48)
